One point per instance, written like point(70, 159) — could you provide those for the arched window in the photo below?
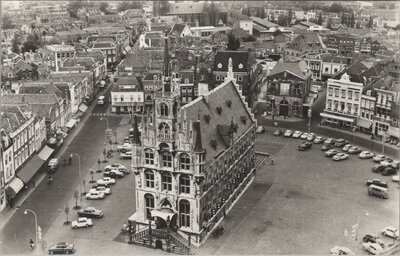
point(149, 178)
point(166, 180)
point(184, 213)
point(184, 161)
point(148, 156)
point(166, 159)
point(184, 184)
point(163, 109)
point(149, 201)
point(163, 128)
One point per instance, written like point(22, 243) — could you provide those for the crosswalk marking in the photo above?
point(259, 159)
point(99, 114)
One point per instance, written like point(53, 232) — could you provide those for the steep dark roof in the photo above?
point(206, 106)
point(177, 29)
point(238, 57)
point(359, 73)
point(307, 41)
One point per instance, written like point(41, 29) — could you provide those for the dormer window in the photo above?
point(219, 65)
point(240, 66)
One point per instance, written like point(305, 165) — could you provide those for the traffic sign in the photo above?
point(309, 113)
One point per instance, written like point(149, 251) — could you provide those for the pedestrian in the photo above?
point(273, 116)
point(70, 160)
point(33, 184)
point(26, 188)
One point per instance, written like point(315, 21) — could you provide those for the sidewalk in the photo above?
point(7, 213)
point(281, 118)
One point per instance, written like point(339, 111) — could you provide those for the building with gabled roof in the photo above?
point(304, 43)
point(288, 86)
point(127, 96)
point(180, 30)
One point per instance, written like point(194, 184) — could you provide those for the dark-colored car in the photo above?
point(113, 174)
point(62, 248)
point(277, 133)
point(378, 168)
point(304, 146)
point(100, 185)
point(326, 147)
point(377, 182)
point(371, 238)
point(389, 170)
point(340, 143)
point(90, 212)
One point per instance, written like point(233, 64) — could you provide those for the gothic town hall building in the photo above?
point(191, 164)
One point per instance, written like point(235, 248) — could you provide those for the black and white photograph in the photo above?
point(200, 127)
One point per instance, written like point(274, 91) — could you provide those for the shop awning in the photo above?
point(341, 118)
point(14, 187)
point(30, 169)
point(45, 153)
point(163, 214)
point(71, 123)
point(364, 123)
point(394, 131)
point(83, 108)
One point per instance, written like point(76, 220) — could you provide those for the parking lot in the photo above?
point(304, 203)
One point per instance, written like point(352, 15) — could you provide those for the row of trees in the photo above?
point(74, 6)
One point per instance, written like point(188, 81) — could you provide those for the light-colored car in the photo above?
point(340, 156)
point(366, 154)
point(297, 134)
point(126, 155)
point(318, 140)
point(379, 158)
point(82, 223)
point(391, 232)
point(260, 129)
point(395, 178)
point(124, 147)
point(101, 189)
point(329, 141)
point(94, 194)
point(340, 250)
point(311, 136)
point(113, 166)
point(304, 136)
point(390, 162)
point(288, 133)
point(354, 150)
point(346, 147)
point(331, 152)
point(372, 248)
point(106, 180)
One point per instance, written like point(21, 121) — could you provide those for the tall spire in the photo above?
point(166, 57)
point(136, 135)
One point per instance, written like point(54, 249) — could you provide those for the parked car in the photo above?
point(377, 182)
point(304, 146)
point(331, 152)
point(126, 155)
point(288, 133)
point(297, 134)
point(260, 129)
point(53, 165)
point(113, 166)
point(94, 194)
point(390, 162)
point(340, 156)
point(102, 189)
point(378, 168)
point(318, 140)
point(304, 136)
point(326, 147)
point(90, 212)
point(311, 136)
point(379, 158)
point(100, 185)
point(277, 133)
point(62, 248)
point(372, 238)
point(389, 170)
point(125, 147)
point(113, 174)
point(366, 154)
point(82, 223)
point(127, 140)
point(340, 143)
point(346, 147)
point(372, 248)
point(106, 180)
point(329, 141)
point(391, 232)
point(395, 178)
point(354, 150)
point(378, 191)
point(340, 250)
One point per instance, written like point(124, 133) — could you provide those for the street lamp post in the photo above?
point(80, 172)
point(108, 131)
point(358, 222)
point(309, 114)
point(36, 226)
